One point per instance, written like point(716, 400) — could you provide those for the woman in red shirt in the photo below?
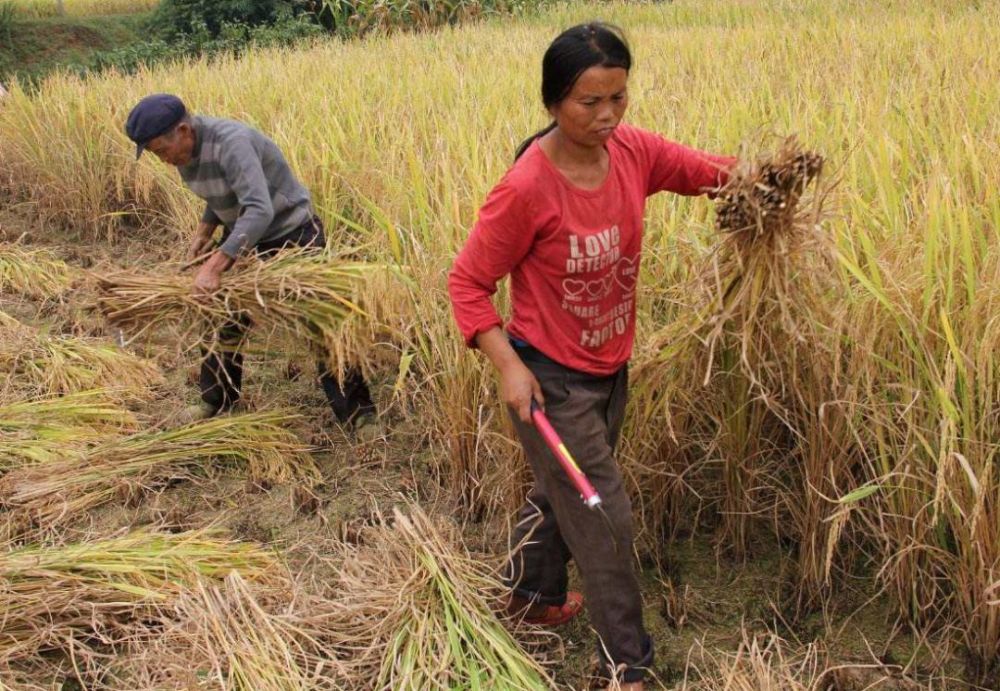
point(566, 223)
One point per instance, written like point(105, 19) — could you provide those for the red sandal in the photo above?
point(554, 615)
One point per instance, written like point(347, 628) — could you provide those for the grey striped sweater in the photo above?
point(246, 184)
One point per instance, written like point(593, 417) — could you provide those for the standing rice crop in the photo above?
point(410, 609)
point(57, 492)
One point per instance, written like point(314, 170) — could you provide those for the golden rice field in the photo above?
point(825, 403)
point(81, 8)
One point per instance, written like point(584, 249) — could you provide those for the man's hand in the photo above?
point(202, 241)
point(209, 276)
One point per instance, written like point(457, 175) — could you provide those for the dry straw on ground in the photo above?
point(34, 273)
point(239, 635)
point(49, 495)
point(34, 363)
point(70, 597)
point(410, 609)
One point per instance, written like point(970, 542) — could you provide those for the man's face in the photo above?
point(174, 148)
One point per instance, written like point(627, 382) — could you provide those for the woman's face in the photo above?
point(594, 107)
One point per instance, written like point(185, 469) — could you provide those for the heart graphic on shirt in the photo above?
point(599, 288)
point(573, 288)
point(627, 273)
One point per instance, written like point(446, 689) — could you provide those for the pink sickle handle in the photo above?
point(562, 454)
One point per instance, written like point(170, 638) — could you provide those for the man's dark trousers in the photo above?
point(222, 367)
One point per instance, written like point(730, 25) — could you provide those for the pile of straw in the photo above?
point(38, 364)
point(56, 492)
point(67, 597)
point(33, 273)
point(241, 635)
point(411, 610)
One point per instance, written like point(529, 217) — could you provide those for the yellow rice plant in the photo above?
point(55, 493)
point(38, 364)
point(86, 413)
point(912, 130)
point(68, 597)
point(304, 293)
point(410, 609)
point(929, 426)
point(33, 273)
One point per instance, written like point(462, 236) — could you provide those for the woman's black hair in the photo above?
point(572, 53)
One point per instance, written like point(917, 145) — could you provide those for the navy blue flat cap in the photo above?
point(151, 117)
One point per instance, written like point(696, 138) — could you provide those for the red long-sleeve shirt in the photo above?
point(572, 254)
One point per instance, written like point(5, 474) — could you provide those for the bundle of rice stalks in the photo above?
point(33, 273)
point(68, 596)
point(39, 364)
point(762, 364)
point(43, 430)
point(300, 291)
point(762, 196)
point(84, 414)
point(52, 494)
point(239, 636)
point(764, 281)
point(410, 609)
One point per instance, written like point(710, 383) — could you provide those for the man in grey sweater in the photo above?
point(249, 189)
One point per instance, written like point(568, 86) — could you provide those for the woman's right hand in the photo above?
point(517, 384)
point(517, 387)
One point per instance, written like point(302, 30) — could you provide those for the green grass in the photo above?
point(38, 47)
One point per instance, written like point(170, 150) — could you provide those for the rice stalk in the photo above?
point(43, 430)
point(237, 636)
point(55, 493)
point(411, 609)
point(33, 273)
point(300, 291)
point(87, 413)
point(38, 364)
point(54, 597)
point(763, 387)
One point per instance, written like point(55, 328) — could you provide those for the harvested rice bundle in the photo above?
point(410, 609)
point(84, 414)
point(300, 291)
point(43, 430)
point(38, 364)
point(50, 495)
point(766, 282)
point(761, 197)
point(240, 635)
point(33, 273)
point(63, 597)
